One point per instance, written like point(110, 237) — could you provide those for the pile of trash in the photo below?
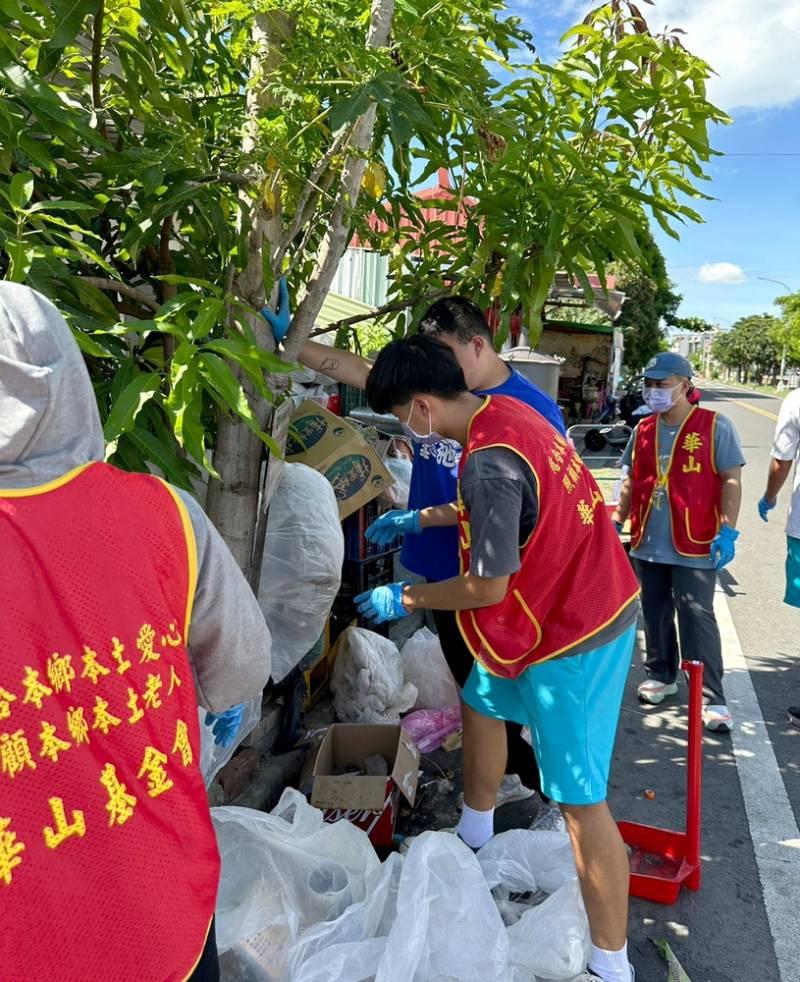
point(305, 901)
point(375, 682)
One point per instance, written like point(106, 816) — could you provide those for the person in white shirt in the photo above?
point(785, 452)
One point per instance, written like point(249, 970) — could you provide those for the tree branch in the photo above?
point(388, 308)
point(226, 177)
point(123, 290)
point(334, 242)
point(309, 196)
point(97, 58)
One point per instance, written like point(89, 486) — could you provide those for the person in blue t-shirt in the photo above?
point(433, 552)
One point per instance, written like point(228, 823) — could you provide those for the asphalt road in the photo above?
point(743, 925)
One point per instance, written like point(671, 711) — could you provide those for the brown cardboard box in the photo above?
point(331, 446)
point(370, 803)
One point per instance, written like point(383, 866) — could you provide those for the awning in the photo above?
point(577, 327)
point(337, 308)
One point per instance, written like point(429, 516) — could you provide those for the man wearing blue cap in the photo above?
point(682, 493)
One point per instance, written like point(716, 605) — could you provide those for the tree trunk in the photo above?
point(232, 502)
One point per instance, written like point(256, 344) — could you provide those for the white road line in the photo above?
point(773, 829)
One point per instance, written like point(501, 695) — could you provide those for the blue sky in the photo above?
point(751, 229)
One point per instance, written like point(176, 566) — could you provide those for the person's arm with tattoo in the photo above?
point(343, 366)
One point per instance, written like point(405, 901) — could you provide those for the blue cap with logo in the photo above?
point(666, 364)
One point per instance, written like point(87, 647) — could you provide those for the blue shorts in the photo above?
point(572, 707)
point(792, 596)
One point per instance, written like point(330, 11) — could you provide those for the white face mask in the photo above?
point(422, 438)
point(659, 400)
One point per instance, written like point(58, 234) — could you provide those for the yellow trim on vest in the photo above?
point(691, 538)
point(49, 486)
point(662, 477)
point(202, 950)
point(191, 551)
point(553, 654)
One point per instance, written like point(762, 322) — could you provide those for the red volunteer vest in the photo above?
point(574, 577)
point(108, 859)
point(691, 483)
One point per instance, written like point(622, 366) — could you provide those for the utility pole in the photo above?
point(769, 279)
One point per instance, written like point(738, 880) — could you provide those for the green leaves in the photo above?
point(21, 190)
point(128, 406)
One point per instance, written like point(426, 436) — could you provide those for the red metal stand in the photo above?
point(663, 861)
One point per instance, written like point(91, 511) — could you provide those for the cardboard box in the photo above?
point(331, 446)
point(370, 803)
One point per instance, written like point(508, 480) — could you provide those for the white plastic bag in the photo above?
point(400, 469)
point(367, 681)
point(425, 667)
point(551, 941)
point(352, 947)
point(522, 860)
point(447, 926)
point(301, 571)
point(283, 872)
point(213, 757)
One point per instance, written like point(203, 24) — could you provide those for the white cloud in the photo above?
point(753, 47)
point(721, 274)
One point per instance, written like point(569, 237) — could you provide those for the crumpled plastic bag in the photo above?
point(429, 728)
point(351, 948)
point(282, 873)
point(396, 495)
point(212, 757)
point(430, 917)
point(425, 667)
point(301, 570)
point(448, 926)
point(550, 941)
point(367, 680)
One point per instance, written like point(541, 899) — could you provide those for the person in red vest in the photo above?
point(682, 494)
point(122, 609)
point(546, 603)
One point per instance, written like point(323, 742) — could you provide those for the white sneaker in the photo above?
point(717, 718)
point(548, 818)
point(511, 789)
point(656, 692)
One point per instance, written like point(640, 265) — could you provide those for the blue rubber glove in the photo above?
point(393, 525)
point(722, 548)
point(764, 506)
point(383, 603)
point(225, 725)
point(279, 320)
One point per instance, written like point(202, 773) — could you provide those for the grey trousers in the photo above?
point(665, 590)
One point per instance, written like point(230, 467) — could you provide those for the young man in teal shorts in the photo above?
point(546, 603)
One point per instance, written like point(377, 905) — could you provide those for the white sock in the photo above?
point(610, 966)
point(474, 827)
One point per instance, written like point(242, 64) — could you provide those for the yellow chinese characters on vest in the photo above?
point(84, 703)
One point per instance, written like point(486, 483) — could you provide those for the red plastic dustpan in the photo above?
point(662, 861)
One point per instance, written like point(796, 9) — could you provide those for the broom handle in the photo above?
point(694, 761)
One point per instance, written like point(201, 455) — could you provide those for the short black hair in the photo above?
point(412, 366)
point(455, 315)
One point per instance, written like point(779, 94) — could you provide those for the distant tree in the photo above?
point(787, 331)
point(692, 324)
point(750, 347)
point(649, 301)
